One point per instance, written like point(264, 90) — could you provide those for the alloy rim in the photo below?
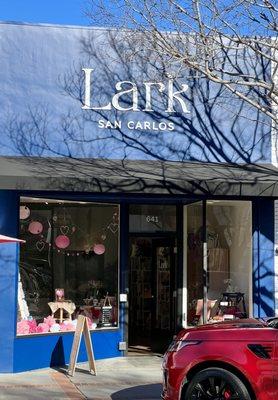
point(214, 388)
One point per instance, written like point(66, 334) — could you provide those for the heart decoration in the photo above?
point(113, 227)
point(40, 245)
point(64, 229)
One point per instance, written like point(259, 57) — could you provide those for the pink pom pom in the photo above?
point(42, 328)
point(99, 248)
point(35, 227)
point(23, 328)
point(70, 327)
point(32, 326)
point(63, 327)
point(49, 321)
point(24, 212)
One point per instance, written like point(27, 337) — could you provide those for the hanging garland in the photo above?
point(62, 240)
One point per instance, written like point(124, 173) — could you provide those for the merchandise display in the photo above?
point(229, 260)
point(100, 314)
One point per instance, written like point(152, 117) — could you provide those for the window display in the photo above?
point(229, 238)
point(69, 265)
point(228, 289)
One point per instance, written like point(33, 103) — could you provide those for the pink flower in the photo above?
point(42, 328)
point(23, 328)
point(32, 326)
point(49, 321)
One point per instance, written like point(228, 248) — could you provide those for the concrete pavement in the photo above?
point(127, 378)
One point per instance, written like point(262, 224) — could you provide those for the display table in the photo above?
point(67, 306)
point(92, 312)
point(232, 303)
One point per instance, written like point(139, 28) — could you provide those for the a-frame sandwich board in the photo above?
point(82, 327)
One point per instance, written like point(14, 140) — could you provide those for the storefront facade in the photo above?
point(141, 243)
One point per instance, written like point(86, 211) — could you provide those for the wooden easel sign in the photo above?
point(82, 327)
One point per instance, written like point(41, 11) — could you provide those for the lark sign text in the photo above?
point(174, 99)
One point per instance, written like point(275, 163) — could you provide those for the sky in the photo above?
point(64, 12)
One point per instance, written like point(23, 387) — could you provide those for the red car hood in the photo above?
point(244, 329)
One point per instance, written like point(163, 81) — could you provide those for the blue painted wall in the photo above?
point(8, 278)
point(263, 258)
point(41, 101)
point(54, 350)
point(26, 353)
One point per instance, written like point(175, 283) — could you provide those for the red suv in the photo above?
point(235, 360)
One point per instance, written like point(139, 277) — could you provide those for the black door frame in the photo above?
point(125, 235)
point(203, 204)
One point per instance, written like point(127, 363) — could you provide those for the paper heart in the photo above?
point(64, 229)
point(40, 245)
point(113, 227)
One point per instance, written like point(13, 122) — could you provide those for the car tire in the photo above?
point(216, 383)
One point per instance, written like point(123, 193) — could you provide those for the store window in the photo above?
point(227, 293)
point(68, 265)
point(229, 238)
point(152, 218)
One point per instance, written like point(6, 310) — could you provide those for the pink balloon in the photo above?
point(99, 249)
point(35, 227)
point(62, 241)
point(24, 212)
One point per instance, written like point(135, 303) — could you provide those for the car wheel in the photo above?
point(216, 384)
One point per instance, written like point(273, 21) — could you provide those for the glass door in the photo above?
point(217, 261)
point(195, 265)
point(141, 293)
point(165, 270)
point(152, 304)
point(229, 261)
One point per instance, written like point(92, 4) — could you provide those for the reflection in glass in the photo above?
point(229, 261)
point(152, 218)
point(194, 262)
point(229, 238)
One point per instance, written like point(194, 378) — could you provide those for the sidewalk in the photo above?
point(128, 378)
